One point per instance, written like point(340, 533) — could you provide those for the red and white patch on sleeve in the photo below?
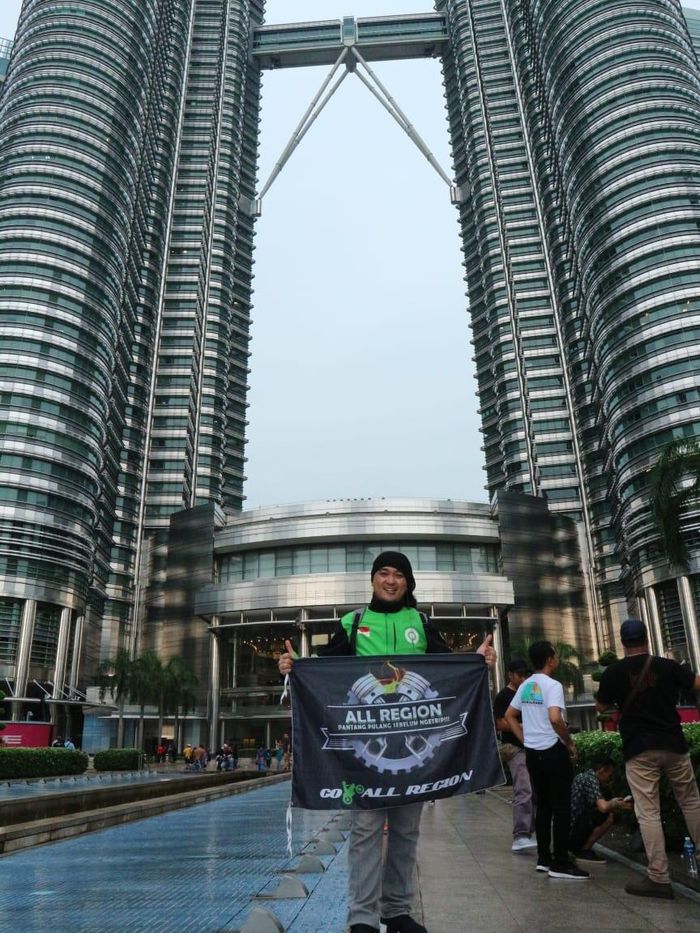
point(363, 630)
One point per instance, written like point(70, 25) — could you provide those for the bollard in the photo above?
point(262, 920)
point(309, 865)
point(288, 887)
point(322, 847)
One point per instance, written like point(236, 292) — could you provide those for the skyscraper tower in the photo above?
point(128, 157)
point(128, 138)
point(575, 128)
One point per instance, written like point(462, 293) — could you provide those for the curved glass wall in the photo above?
point(513, 290)
point(128, 134)
point(624, 99)
point(348, 558)
point(70, 133)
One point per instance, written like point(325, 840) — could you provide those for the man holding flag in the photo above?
point(390, 625)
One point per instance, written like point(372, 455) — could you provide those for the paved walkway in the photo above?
point(204, 868)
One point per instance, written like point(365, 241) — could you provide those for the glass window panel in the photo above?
point(427, 558)
point(355, 557)
point(463, 558)
point(250, 565)
point(284, 566)
point(336, 559)
point(266, 564)
point(302, 560)
point(445, 558)
point(319, 560)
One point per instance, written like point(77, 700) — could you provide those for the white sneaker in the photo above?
point(520, 843)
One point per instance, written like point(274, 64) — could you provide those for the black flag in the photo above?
point(377, 732)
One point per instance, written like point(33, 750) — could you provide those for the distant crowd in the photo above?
point(197, 757)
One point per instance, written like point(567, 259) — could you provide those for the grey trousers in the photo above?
point(523, 811)
point(382, 887)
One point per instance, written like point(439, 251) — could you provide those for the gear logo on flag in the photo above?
point(406, 715)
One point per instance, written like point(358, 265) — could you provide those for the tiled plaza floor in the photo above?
point(201, 869)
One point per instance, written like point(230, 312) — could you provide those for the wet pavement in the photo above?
point(207, 867)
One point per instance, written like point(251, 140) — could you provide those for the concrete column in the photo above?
point(304, 641)
point(214, 681)
point(234, 661)
point(644, 616)
point(499, 667)
point(59, 671)
point(655, 633)
point(77, 651)
point(24, 650)
point(690, 621)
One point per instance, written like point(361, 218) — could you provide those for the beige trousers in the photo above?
point(643, 775)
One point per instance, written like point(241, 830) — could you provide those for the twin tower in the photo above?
point(128, 201)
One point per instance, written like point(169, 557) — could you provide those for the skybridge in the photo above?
point(377, 38)
point(348, 45)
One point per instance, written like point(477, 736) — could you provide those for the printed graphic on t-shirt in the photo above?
point(411, 636)
point(532, 693)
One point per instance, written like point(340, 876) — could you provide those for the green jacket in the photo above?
point(387, 633)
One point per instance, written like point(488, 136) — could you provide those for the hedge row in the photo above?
point(590, 745)
point(40, 762)
point(118, 759)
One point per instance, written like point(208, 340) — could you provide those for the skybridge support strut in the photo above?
point(351, 57)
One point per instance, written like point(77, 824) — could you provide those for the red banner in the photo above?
point(26, 734)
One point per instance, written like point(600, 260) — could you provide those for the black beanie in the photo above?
point(398, 561)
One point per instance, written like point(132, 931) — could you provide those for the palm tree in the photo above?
point(179, 697)
point(568, 672)
point(145, 685)
point(116, 676)
point(675, 480)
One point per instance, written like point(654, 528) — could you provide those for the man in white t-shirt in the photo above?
point(549, 751)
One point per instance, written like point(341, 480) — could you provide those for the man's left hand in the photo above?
point(488, 651)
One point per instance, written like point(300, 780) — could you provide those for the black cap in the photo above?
point(400, 562)
point(518, 666)
point(633, 631)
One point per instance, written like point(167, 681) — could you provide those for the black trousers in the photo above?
point(551, 774)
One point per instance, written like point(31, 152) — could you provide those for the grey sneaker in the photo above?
point(648, 888)
point(522, 843)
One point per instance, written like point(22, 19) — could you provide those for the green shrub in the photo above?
point(118, 759)
point(591, 744)
point(40, 762)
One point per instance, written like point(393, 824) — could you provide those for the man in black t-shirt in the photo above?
point(645, 689)
point(513, 754)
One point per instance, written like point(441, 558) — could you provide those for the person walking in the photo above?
point(549, 750)
point(645, 688)
point(513, 756)
point(390, 625)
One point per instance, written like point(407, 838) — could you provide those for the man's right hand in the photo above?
point(287, 659)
